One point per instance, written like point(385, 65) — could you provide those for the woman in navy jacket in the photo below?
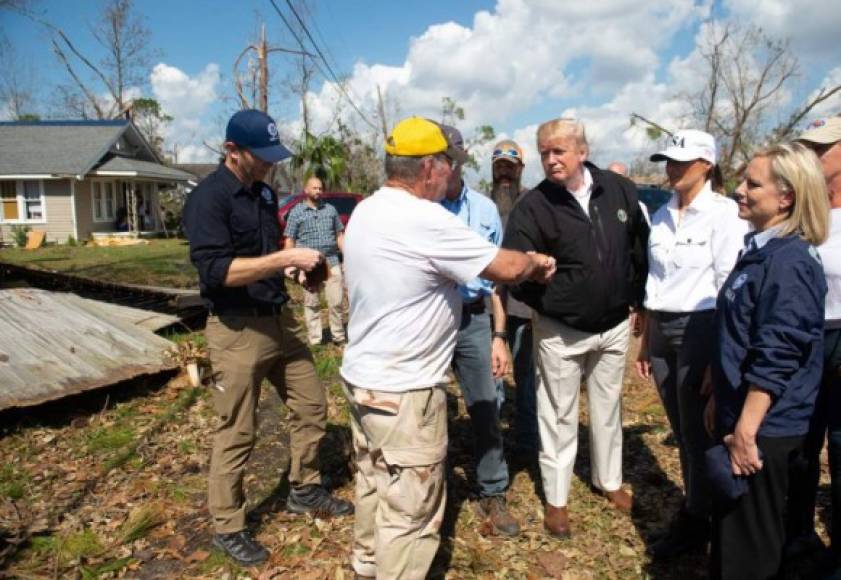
point(769, 321)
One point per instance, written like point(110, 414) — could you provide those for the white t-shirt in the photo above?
point(404, 260)
point(690, 258)
point(830, 252)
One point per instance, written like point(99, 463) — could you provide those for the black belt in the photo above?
point(263, 310)
point(476, 307)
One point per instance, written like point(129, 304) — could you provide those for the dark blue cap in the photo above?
point(256, 131)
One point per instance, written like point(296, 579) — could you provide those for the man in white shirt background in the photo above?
point(823, 136)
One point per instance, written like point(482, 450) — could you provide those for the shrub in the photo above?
point(71, 241)
point(19, 235)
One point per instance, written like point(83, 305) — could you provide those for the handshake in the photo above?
point(544, 267)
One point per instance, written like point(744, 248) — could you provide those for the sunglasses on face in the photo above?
point(507, 153)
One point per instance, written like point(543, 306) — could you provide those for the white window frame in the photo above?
point(103, 218)
point(21, 201)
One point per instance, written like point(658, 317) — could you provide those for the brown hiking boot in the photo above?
point(556, 521)
point(495, 509)
point(620, 499)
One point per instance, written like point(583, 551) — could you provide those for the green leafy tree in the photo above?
point(324, 157)
point(151, 120)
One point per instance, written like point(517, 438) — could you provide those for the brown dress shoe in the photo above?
point(620, 499)
point(556, 521)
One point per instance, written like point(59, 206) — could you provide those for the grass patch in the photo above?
point(159, 263)
point(13, 483)
point(77, 546)
point(139, 524)
point(113, 439)
point(216, 560)
point(326, 364)
point(296, 549)
point(90, 573)
point(187, 447)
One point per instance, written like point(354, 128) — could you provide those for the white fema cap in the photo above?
point(688, 145)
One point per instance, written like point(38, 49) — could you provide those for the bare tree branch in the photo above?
point(90, 97)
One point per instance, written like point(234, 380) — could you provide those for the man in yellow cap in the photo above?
point(405, 256)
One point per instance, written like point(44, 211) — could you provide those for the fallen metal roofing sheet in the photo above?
point(57, 344)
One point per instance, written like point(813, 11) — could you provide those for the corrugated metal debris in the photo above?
point(56, 344)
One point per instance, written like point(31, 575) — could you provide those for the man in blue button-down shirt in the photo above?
point(315, 224)
point(475, 363)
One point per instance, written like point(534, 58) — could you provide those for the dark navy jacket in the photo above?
point(602, 259)
point(769, 318)
point(224, 220)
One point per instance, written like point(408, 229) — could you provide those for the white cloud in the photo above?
point(520, 55)
point(812, 25)
point(188, 100)
point(831, 106)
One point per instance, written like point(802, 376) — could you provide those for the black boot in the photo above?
point(315, 500)
point(241, 547)
point(685, 533)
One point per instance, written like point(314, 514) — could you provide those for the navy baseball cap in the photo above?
point(256, 131)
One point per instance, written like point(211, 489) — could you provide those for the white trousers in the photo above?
point(563, 356)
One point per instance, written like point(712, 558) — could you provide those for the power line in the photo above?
point(333, 75)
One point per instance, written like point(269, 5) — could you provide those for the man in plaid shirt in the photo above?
point(316, 225)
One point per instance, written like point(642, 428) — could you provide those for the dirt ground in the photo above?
point(112, 484)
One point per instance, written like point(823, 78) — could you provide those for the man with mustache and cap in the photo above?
point(507, 163)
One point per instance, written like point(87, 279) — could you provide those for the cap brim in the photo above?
point(272, 154)
point(455, 153)
point(821, 136)
point(508, 158)
point(678, 154)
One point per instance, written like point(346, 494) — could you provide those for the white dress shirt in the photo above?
point(582, 194)
point(830, 252)
point(690, 256)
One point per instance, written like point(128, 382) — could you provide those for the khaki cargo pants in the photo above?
point(334, 291)
point(243, 351)
point(400, 441)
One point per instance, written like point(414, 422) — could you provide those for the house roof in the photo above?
point(53, 344)
point(129, 167)
point(70, 148)
point(200, 170)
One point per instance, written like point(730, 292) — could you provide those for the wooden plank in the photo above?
point(35, 239)
point(53, 345)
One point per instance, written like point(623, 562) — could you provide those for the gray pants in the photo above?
point(680, 346)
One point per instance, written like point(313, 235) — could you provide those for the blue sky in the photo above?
point(509, 63)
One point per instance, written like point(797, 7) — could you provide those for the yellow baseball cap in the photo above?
point(416, 137)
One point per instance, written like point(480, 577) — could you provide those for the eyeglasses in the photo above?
point(506, 152)
point(452, 163)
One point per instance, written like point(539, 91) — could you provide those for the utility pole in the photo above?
point(262, 50)
point(381, 109)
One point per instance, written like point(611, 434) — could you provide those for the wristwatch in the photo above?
point(499, 334)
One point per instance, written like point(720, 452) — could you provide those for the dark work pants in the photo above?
point(806, 473)
point(680, 347)
point(472, 367)
point(748, 534)
point(525, 423)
